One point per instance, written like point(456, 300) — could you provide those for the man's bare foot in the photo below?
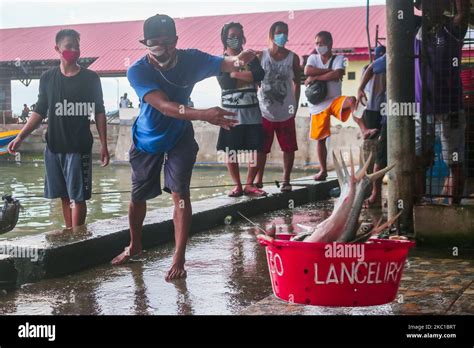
point(370, 133)
point(125, 256)
point(321, 176)
point(177, 270)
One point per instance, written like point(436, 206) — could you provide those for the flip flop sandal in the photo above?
point(254, 191)
point(286, 187)
point(235, 193)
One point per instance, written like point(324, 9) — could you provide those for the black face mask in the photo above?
point(235, 43)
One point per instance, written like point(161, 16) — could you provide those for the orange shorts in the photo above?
point(320, 127)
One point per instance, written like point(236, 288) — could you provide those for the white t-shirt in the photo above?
point(334, 87)
point(370, 85)
point(124, 103)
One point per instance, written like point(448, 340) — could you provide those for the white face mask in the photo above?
point(156, 50)
point(170, 63)
point(322, 50)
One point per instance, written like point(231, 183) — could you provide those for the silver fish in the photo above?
point(343, 223)
point(363, 182)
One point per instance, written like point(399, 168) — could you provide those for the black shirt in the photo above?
point(69, 103)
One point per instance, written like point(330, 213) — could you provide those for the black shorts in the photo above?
point(372, 119)
point(381, 157)
point(241, 137)
point(178, 166)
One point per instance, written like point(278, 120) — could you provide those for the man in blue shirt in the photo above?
point(163, 134)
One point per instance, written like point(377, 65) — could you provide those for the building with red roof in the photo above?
point(109, 48)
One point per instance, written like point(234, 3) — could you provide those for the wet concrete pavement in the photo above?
point(228, 274)
point(61, 252)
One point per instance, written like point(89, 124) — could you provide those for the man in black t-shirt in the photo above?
point(69, 96)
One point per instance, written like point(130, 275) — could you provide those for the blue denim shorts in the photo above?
point(68, 175)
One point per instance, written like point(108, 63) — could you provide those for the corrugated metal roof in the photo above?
point(115, 45)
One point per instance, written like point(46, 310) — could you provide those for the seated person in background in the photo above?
point(25, 113)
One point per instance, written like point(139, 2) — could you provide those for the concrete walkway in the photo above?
point(46, 256)
point(227, 274)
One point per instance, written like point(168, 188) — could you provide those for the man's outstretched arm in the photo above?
point(214, 115)
point(230, 64)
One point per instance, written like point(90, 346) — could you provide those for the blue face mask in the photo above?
point(280, 39)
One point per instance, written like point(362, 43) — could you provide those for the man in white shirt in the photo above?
point(317, 68)
point(124, 101)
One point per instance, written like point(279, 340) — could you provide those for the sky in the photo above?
point(32, 13)
point(20, 13)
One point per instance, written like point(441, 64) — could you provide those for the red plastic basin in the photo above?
point(335, 274)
